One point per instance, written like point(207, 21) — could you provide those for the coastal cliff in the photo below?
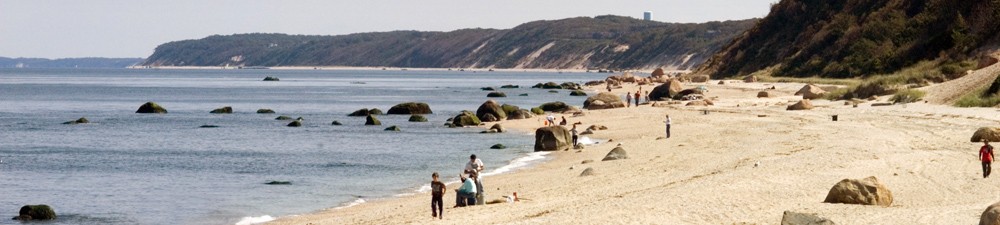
point(603, 42)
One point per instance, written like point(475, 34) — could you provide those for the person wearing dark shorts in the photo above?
point(986, 156)
point(437, 196)
point(573, 131)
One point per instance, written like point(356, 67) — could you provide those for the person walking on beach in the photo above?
point(437, 195)
point(647, 96)
point(637, 97)
point(668, 125)
point(628, 99)
point(986, 156)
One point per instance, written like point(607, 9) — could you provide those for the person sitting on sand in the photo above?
point(986, 156)
point(466, 194)
point(563, 122)
point(437, 195)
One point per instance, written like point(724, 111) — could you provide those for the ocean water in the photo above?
point(128, 168)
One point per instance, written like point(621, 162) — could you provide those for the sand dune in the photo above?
point(705, 173)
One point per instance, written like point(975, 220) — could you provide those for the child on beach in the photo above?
point(986, 156)
point(437, 193)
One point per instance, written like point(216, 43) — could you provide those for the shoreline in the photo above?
point(341, 68)
point(748, 156)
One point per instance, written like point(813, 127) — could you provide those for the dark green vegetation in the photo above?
point(848, 39)
point(69, 62)
point(982, 97)
point(601, 42)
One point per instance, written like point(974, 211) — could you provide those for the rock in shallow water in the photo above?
point(151, 107)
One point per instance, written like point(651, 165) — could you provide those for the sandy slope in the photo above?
point(949, 92)
point(705, 174)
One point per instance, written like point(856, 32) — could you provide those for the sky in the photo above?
point(133, 28)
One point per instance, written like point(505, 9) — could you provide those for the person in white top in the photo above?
point(668, 125)
point(474, 168)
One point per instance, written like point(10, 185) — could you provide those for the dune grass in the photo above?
point(977, 98)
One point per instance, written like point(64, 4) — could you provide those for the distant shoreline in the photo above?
point(534, 70)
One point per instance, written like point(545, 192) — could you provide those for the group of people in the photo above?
point(638, 97)
point(470, 193)
point(550, 120)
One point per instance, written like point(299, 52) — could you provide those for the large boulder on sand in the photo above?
point(466, 118)
point(811, 91)
point(658, 72)
point(604, 100)
point(991, 216)
point(371, 120)
point(750, 79)
point(795, 218)
point(519, 114)
point(686, 92)
point(410, 108)
point(552, 138)
point(151, 107)
point(991, 134)
point(764, 94)
point(616, 154)
point(35, 212)
point(699, 78)
point(868, 191)
point(555, 107)
point(666, 90)
point(492, 108)
point(803, 104)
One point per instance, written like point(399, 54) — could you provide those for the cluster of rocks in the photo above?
point(554, 85)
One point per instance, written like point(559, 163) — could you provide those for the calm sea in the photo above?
point(128, 168)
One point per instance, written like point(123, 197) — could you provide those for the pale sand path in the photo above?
point(704, 174)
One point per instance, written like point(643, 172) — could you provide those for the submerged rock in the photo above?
point(78, 121)
point(418, 118)
point(283, 118)
point(498, 146)
point(223, 110)
point(411, 108)
point(35, 212)
point(296, 123)
point(151, 107)
point(371, 120)
point(274, 182)
point(392, 128)
point(466, 118)
point(496, 94)
point(271, 79)
point(264, 111)
point(360, 112)
point(336, 123)
point(209, 126)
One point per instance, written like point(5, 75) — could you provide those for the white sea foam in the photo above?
point(254, 220)
point(586, 141)
point(354, 203)
point(518, 162)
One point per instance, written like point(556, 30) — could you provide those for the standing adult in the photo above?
point(551, 119)
point(647, 96)
point(668, 125)
point(474, 168)
point(637, 98)
point(628, 99)
point(573, 131)
point(986, 156)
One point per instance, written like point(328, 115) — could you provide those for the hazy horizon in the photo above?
point(133, 29)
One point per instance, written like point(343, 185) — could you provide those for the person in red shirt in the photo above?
point(986, 155)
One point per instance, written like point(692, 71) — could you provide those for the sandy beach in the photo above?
point(706, 174)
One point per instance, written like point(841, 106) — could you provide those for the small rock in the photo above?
point(151, 107)
point(283, 118)
point(208, 126)
point(274, 182)
point(616, 154)
point(497, 127)
point(336, 123)
point(496, 95)
point(392, 128)
point(78, 121)
point(525, 94)
point(263, 111)
point(587, 161)
point(296, 123)
point(589, 171)
point(371, 120)
point(794, 218)
point(35, 212)
point(271, 79)
point(417, 118)
point(498, 146)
